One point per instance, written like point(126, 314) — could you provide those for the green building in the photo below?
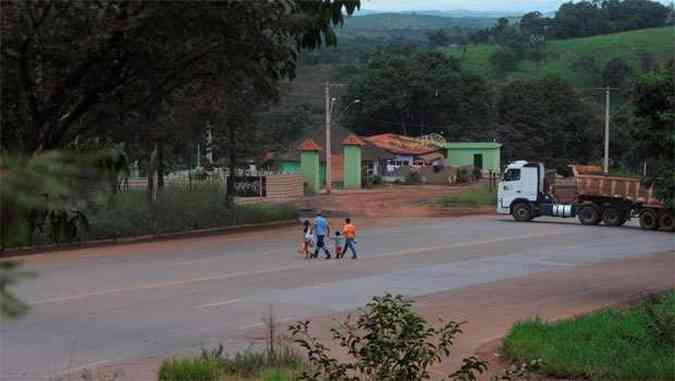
point(486, 156)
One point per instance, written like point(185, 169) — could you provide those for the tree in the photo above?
point(545, 120)
point(64, 60)
point(438, 38)
point(655, 135)
point(387, 341)
point(616, 73)
point(419, 92)
point(534, 23)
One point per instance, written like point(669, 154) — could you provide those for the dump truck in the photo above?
point(527, 192)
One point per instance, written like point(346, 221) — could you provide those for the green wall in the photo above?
point(289, 167)
point(293, 167)
point(460, 154)
point(309, 164)
point(352, 167)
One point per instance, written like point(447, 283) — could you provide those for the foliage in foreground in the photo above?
point(470, 197)
point(387, 341)
point(636, 344)
point(10, 306)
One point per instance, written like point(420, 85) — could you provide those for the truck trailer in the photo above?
point(526, 192)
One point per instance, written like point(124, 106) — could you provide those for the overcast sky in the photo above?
point(474, 5)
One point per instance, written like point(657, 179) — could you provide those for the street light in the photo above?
point(329, 112)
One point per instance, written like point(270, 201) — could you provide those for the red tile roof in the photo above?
point(353, 140)
point(309, 145)
point(402, 145)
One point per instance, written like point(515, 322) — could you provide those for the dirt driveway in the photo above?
point(391, 201)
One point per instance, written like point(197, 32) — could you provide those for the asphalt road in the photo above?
point(105, 305)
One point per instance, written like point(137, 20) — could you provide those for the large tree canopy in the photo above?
point(416, 93)
point(655, 117)
point(63, 61)
point(544, 120)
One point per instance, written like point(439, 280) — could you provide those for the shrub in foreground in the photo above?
point(387, 341)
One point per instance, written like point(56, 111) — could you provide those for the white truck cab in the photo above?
point(523, 182)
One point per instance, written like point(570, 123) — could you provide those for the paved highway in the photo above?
point(101, 306)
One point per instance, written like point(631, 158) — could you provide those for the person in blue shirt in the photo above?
point(322, 230)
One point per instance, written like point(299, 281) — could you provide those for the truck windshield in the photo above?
point(512, 175)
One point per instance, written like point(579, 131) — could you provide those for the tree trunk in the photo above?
point(232, 167)
point(160, 165)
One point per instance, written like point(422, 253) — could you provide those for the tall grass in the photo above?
point(605, 345)
point(190, 369)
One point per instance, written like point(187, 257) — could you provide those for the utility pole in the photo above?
point(329, 172)
point(606, 161)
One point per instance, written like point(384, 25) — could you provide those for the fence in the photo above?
point(247, 189)
point(278, 188)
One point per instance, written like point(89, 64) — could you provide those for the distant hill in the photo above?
point(576, 59)
point(383, 22)
point(465, 13)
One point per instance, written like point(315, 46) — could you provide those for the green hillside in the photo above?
point(570, 58)
point(396, 21)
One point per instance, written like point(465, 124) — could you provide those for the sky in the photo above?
point(472, 5)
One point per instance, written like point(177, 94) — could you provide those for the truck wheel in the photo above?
point(613, 217)
point(588, 215)
point(649, 220)
point(521, 212)
point(666, 222)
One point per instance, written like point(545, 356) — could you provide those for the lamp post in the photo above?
point(330, 103)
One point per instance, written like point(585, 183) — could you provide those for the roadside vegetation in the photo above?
point(129, 214)
point(633, 344)
point(470, 197)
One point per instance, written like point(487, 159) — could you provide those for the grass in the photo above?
point(470, 197)
point(562, 54)
point(285, 365)
point(611, 344)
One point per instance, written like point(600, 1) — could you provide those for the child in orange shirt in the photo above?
point(349, 231)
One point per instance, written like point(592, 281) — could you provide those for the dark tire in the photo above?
point(521, 212)
point(613, 217)
point(666, 222)
point(649, 220)
point(588, 215)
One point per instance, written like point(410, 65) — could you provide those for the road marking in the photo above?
point(217, 304)
point(278, 269)
point(164, 284)
point(257, 325)
point(82, 367)
point(211, 259)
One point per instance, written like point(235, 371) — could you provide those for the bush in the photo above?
point(477, 173)
point(194, 369)
point(413, 177)
point(463, 176)
point(375, 180)
point(387, 341)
